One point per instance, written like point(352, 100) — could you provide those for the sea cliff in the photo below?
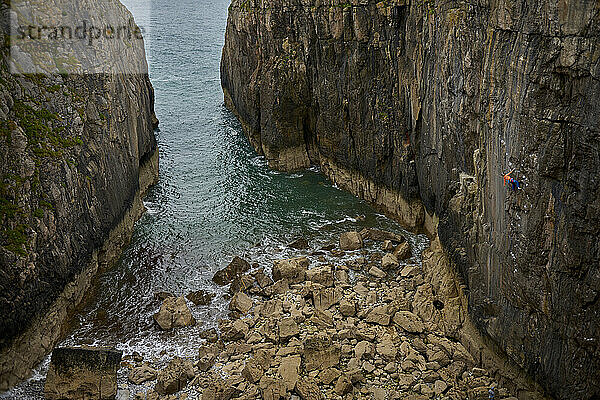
point(77, 152)
point(421, 108)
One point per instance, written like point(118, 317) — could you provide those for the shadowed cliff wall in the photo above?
point(421, 108)
point(76, 153)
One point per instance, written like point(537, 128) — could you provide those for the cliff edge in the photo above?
point(77, 152)
point(421, 108)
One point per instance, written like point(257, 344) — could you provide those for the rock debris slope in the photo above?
point(421, 108)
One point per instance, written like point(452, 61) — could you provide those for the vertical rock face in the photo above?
point(77, 151)
point(422, 107)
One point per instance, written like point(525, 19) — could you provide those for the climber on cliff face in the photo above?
point(511, 181)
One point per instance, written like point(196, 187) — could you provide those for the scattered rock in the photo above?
point(320, 353)
point(77, 373)
point(174, 377)
point(351, 241)
point(173, 313)
point(389, 261)
point(241, 303)
point(289, 370)
point(142, 374)
point(379, 315)
point(409, 322)
point(347, 308)
point(236, 267)
point(200, 297)
point(403, 252)
point(288, 328)
point(293, 270)
point(376, 272)
point(300, 244)
point(343, 385)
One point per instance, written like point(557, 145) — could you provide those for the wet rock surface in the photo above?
point(421, 108)
point(326, 338)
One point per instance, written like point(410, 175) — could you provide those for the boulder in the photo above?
point(174, 313)
point(293, 270)
point(322, 275)
point(307, 389)
point(327, 297)
point(300, 244)
point(376, 272)
point(382, 236)
point(343, 385)
point(78, 373)
point(387, 245)
point(386, 348)
point(271, 388)
point(351, 241)
point(347, 308)
point(403, 252)
point(241, 303)
point(200, 297)
point(252, 371)
point(233, 331)
point(379, 315)
point(288, 328)
point(174, 377)
point(207, 356)
point(289, 370)
point(235, 268)
point(409, 322)
point(320, 353)
point(262, 279)
point(142, 374)
point(241, 283)
point(389, 261)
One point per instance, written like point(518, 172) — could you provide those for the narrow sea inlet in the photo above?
point(215, 199)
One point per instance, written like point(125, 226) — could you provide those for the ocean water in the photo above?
point(216, 198)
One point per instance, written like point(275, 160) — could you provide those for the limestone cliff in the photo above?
point(421, 107)
point(77, 151)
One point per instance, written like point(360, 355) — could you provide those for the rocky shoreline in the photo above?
point(379, 327)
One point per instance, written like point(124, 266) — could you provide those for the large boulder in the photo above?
point(174, 377)
point(174, 313)
point(351, 241)
point(240, 303)
point(82, 373)
point(142, 374)
point(235, 268)
point(403, 252)
point(200, 297)
point(320, 353)
point(389, 261)
point(292, 270)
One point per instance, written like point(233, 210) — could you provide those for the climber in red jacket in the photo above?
point(512, 181)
